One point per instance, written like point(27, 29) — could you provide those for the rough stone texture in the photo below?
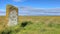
point(11, 15)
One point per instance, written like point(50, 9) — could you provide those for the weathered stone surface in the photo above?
point(11, 15)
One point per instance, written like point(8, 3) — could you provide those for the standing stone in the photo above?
point(11, 15)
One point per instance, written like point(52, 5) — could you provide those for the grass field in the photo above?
point(35, 25)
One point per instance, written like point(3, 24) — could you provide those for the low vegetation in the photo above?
point(34, 25)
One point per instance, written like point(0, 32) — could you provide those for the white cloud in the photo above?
point(40, 11)
point(2, 12)
point(19, 0)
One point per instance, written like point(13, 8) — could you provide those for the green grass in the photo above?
point(33, 25)
point(33, 28)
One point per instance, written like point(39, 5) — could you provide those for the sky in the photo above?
point(32, 7)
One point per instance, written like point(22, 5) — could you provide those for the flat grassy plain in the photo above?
point(37, 25)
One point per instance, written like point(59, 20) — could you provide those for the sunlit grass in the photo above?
point(32, 25)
